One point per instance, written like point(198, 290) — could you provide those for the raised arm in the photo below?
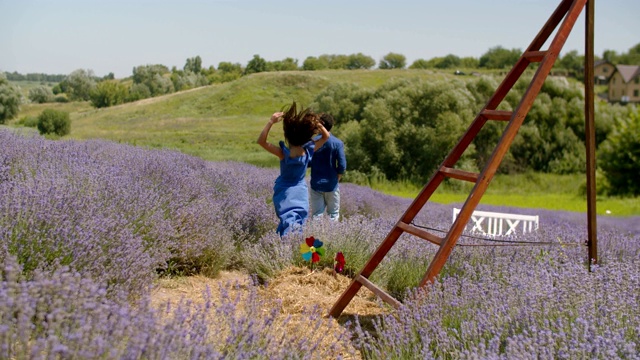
point(262, 139)
point(323, 139)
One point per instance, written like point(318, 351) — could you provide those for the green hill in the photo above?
point(220, 122)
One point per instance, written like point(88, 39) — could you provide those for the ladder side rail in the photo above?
point(422, 197)
point(550, 25)
point(590, 136)
point(505, 141)
point(503, 89)
point(366, 271)
point(386, 244)
point(522, 64)
point(563, 33)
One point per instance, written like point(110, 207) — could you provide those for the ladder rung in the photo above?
point(376, 290)
point(419, 233)
point(534, 56)
point(459, 174)
point(501, 115)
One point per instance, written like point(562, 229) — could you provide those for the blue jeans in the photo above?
point(321, 201)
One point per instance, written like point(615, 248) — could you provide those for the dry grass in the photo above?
point(298, 292)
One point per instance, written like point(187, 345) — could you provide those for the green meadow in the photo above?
point(221, 123)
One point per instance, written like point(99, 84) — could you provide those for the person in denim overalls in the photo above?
point(290, 191)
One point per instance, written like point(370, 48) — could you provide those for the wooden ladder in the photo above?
point(567, 12)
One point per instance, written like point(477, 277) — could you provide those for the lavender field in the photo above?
point(87, 229)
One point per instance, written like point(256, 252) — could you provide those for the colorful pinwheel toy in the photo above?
point(311, 249)
point(338, 264)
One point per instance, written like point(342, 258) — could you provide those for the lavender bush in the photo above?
point(86, 228)
point(120, 213)
point(62, 315)
point(522, 302)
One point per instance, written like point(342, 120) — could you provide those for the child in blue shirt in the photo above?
point(290, 191)
point(327, 167)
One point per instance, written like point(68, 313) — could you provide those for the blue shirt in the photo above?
point(326, 164)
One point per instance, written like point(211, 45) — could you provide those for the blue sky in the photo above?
point(57, 37)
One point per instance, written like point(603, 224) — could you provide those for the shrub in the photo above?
point(40, 95)
point(61, 99)
point(53, 121)
point(620, 156)
point(9, 100)
point(28, 121)
point(138, 92)
point(109, 93)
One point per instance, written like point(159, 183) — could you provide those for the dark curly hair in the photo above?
point(299, 127)
point(327, 121)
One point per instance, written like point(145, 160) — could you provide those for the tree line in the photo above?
point(155, 79)
point(405, 128)
point(38, 77)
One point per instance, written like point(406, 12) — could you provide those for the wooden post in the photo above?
point(590, 138)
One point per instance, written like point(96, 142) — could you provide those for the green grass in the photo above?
point(221, 123)
point(73, 108)
point(534, 191)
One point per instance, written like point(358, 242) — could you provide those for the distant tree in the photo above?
point(61, 98)
point(314, 63)
point(145, 73)
point(610, 55)
point(184, 80)
point(226, 72)
point(360, 61)
point(109, 93)
point(632, 57)
point(193, 65)
point(9, 100)
point(337, 62)
point(619, 156)
point(109, 76)
point(227, 67)
point(550, 137)
point(52, 121)
point(499, 58)
point(449, 62)
point(138, 92)
point(572, 62)
point(403, 119)
point(155, 78)
point(60, 88)
point(208, 71)
point(15, 76)
point(161, 85)
point(255, 65)
point(469, 62)
point(635, 50)
point(420, 64)
point(40, 94)
point(393, 61)
point(287, 64)
point(345, 101)
point(79, 84)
